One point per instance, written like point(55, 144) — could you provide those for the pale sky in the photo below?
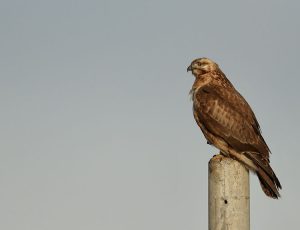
point(96, 123)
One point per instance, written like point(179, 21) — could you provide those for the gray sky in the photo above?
point(97, 129)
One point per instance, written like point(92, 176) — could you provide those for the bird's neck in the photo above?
point(202, 80)
point(216, 77)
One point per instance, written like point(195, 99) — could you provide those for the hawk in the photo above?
point(228, 122)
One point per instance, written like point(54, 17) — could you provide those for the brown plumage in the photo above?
point(228, 122)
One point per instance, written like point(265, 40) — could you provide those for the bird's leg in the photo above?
point(224, 154)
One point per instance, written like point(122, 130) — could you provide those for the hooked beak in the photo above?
point(189, 68)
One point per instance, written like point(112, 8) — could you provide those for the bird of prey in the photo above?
point(228, 122)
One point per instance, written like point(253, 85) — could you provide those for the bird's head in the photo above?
point(201, 66)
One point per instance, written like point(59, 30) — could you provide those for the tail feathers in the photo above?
point(267, 178)
point(268, 185)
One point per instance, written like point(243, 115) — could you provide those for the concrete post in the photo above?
point(228, 195)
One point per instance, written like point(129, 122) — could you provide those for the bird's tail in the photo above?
point(267, 178)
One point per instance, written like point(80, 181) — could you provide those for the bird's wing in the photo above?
point(225, 113)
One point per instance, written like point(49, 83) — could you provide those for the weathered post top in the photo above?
point(228, 195)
